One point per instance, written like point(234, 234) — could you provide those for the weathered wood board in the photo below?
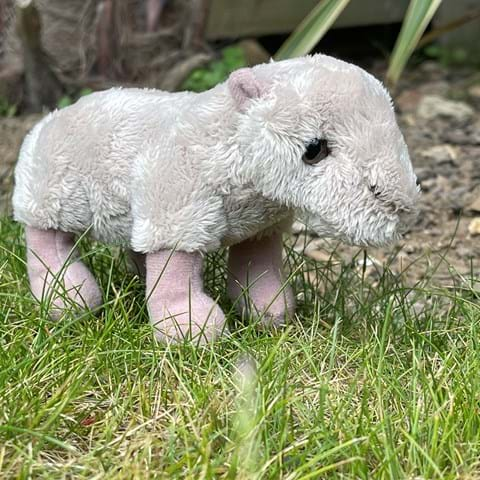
point(243, 18)
point(240, 18)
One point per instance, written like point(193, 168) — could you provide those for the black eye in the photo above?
point(315, 151)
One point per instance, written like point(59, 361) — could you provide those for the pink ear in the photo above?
point(243, 86)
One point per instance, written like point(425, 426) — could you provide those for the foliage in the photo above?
point(373, 380)
point(417, 18)
point(450, 56)
point(67, 100)
point(217, 71)
point(319, 20)
point(311, 29)
point(7, 109)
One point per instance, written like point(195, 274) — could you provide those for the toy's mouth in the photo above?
point(377, 242)
point(375, 239)
point(368, 231)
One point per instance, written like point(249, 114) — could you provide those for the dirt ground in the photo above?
point(439, 113)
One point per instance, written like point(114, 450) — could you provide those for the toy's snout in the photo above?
point(394, 194)
point(371, 209)
point(402, 204)
point(404, 209)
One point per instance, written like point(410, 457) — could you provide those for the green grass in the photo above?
point(372, 380)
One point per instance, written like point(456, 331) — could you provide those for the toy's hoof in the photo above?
point(274, 321)
point(200, 322)
point(78, 301)
point(269, 313)
point(75, 288)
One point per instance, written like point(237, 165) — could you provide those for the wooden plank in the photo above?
point(467, 36)
point(231, 18)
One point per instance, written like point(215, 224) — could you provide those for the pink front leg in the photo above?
point(178, 306)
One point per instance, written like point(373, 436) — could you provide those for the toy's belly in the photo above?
point(102, 209)
point(247, 214)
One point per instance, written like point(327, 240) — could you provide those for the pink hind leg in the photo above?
point(256, 280)
point(57, 275)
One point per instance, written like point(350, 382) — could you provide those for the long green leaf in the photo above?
point(312, 28)
point(418, 16)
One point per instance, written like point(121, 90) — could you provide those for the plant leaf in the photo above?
point(417, 18)
point(312, 28)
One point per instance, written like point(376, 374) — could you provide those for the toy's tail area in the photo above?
point(25, 172)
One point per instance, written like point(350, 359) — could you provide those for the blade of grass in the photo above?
point(418, 16)
point(312, 28)
point(39, 435)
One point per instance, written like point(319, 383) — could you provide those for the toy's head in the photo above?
point(319, 135)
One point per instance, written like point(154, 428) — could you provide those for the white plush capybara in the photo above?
point(175, 175)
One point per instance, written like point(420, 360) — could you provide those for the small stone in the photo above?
point(318, 255)
point(434, 106)
point(474, 206)
point(424, 173)
point(474, 227)
point(409, 248)
point(435, 232)
point(300, 242)
point(430, 66)
point(457, 136)
point(410, 119)
point(408, 100)
point(428, 184)
point(298, 227)
point(474, 91)
point(441, 153)
point(438, 87)
point(465, 252)
point(475, 133)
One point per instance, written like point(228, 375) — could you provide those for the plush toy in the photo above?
point(176, 175)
